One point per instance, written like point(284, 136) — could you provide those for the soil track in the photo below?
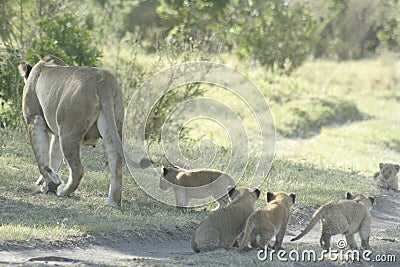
point(124, 250)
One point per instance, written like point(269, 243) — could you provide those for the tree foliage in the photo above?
point(277, 34)
point(63, 37)
point(11, 86)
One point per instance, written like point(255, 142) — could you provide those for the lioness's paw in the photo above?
point(111, 202)
point(55, 178)
point(44, 188)
point(61, 190)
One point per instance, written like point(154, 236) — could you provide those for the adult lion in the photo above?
point(77, 106)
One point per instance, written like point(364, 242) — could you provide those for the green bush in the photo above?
point(64, 38)
point(11, 87)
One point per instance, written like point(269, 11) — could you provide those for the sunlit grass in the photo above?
point(338, 156)
point(19, 232)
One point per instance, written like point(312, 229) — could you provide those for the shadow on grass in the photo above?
point(305, 118)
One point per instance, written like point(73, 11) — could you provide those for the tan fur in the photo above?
point(346, 217)
point(188, 184)
point(77, 106)
point(221, 227)
point(387, 176)
point(268, 222)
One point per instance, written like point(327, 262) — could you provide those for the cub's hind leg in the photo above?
point(206, 240)
point(181, 199)
point(325, 241)
point(365, 232)
point(279, 239)
point(351, 242)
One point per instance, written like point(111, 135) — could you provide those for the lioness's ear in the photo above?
point(24, 69)
point(270, 196)
point(397, 167)
point(293, 196)
point(381, 165)
point(349, 196)
point(372, 200)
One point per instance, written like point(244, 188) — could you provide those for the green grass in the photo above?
point(335, 123)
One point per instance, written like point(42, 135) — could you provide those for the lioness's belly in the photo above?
point(92, 136)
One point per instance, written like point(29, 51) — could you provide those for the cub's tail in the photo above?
point(318, 214)
point(194, 244)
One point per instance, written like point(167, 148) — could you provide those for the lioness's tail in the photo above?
point(108, 110)
point(318, 214)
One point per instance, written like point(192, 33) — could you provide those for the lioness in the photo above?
point(268, 222)
point(77, 106)
point(202, 183)
point(221, 227)
point(387, 176)
point(346, 217)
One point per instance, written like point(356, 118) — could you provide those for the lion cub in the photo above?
point(188, 184)
point(387, 176)
point(221, 227)
point(347, 216)
point(268, 222)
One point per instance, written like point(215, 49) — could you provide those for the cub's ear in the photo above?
point(231, 191)
point(381, 165)
point(258, 192)
point(397, 167)
point(270, 196)
point(165, 171)
point(293, 196)
point(372, 200)
point(24, 69)
point(349, 196)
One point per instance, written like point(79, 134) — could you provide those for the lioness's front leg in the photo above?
point(40, 144)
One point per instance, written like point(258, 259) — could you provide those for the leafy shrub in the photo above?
point(11, 87)
point(64, 38)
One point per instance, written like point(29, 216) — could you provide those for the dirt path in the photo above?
point(128, 251)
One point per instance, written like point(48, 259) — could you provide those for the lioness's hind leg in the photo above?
point(55, 162)
point(71, 152)
point(40, 143)
point(114, 163)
